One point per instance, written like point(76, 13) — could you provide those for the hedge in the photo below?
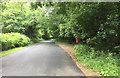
point(12, 40)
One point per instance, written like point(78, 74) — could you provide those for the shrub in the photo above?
point(11, 40)
point(105, 63)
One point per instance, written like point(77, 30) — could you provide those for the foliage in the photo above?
point(105, 63)
point(45, 20)
point(11, 40)
point(20, 17)
point(4, 53)
point(97, 24)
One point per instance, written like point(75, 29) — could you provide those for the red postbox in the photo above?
point(77, 40)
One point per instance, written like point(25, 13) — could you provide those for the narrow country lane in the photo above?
point(41, 59)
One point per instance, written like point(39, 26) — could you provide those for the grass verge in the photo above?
point(3, 53)
point(105, 63)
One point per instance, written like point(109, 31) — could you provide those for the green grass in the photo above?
point(3, 53)
point(104, 63)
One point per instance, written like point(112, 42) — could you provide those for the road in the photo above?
point(41, 59)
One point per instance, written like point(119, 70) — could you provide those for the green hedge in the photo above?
point(105, 63)
point(12, 40)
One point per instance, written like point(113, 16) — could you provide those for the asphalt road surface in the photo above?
point(41, 59)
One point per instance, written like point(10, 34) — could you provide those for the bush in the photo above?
point(105, 63)
point(11, 40)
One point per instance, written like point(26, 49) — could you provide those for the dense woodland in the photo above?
point(97, 24)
